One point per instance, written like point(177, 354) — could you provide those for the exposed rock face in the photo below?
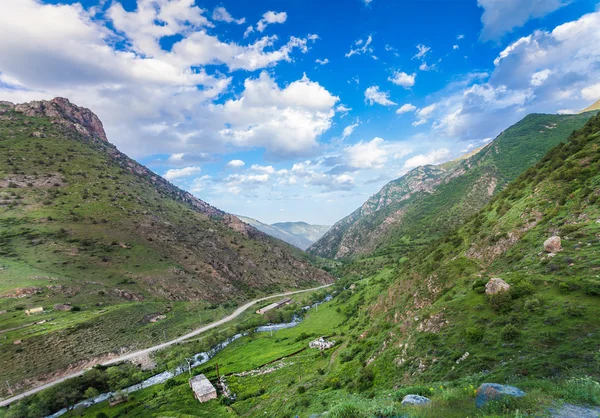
point(64, 308)
point(553, 245)
point(415, 400)
point(63, 112)
point(496, 285)
point(493, 391)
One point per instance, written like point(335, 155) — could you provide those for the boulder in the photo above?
point(574, 411)
point(496, 285)
point(415, 400)
point(63, 307)
point(553, 245)
point(493, 391)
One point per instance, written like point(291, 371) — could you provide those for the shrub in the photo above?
point(592, 287)
point(533, 305)
point(412, 390)
point(583, 389)
point(522, 288)
point(574, 310)
point(501, 302)
point(510, 333)
point(474, 334)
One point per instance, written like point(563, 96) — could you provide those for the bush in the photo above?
point(474, 334)
point(510, 333)
point(574, 310)
point(592, 287)
point(500, 302)
point(583, 390)
point(533, 305)
point(522, 288)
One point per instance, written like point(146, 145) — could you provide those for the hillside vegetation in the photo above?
point(427, 326)
point(431, 200)
point(116, 256)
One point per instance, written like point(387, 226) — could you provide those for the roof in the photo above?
point(201, 385)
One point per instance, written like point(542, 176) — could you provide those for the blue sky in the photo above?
point(300, 110)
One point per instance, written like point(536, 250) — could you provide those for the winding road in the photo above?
point(158, 347)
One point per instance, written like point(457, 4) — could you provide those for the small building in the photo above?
point(275, 305)
point(203, 390)
point(34, 310)
point(321, 343)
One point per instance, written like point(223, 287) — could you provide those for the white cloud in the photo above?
point(367, 2)
point(425, 67)
point(403, 79)
point(374, 154)
point(322, 62)
point(199, 184)
point(455, 47)
point(459, 37)
point(362, 47)
point(285, 121)
point(373, 95)
point(342, 109)
point(348, 130)
point(406, 108)
point(422, 51)
point(174, 173)
point(236, 164)
point(220, 14)
point(591, 93)
point(538, 78)
point(269, 18)
point(267, 169)
point(248, 31)
point(152, 101)
point(423, 114)
point(502, 16)
point(432, 157)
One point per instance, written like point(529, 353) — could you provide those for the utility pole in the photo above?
point(189, 365)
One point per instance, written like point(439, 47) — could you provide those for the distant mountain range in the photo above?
point(298, 234)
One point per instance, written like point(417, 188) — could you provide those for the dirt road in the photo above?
point(158, 347)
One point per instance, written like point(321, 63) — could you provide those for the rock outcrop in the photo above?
point(496, 285)
point(493, 391)
point(553, 245)
point(63, 112)
point(415, 400)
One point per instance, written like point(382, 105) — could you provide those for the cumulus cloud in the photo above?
point(175, 173)
point(435, 156)
point(406, 108)
point(348, 130)
point(502, 16)
point(374, 154)
point(423, 114)
point(373, 95)
point(284, 121)
point(322, 62)
point(236, 164)
point(269, 18)
point(361, 47)
point(545, 71)
point(403, 79)
point(152, 100)
point(220, 14)
point(422, 51)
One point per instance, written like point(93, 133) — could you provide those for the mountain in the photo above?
point(430, 200)
point(298, 234)
point(595, 106)
point(427, 327)
point(83, 225)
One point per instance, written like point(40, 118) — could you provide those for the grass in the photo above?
point(82, 224)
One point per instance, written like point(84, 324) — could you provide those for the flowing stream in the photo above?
point(198, 360)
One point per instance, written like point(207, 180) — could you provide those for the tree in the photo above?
point(91, 393)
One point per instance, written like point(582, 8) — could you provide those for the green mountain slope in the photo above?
point(427, 327)
point(82, 224)
point(298, 234)
point(431, 200)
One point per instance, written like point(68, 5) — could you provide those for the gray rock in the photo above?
point(553, 245)
point(574, 411)
point(493, 391)
point(496, 285)
point(415, 400)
